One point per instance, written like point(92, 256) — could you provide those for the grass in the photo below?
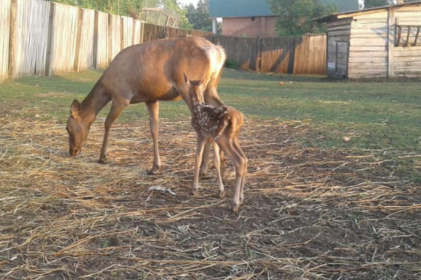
point(383, 115)
point(333, 189)
point(375, 115)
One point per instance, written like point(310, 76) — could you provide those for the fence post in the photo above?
point(291, 64)
point(110, 38)
point(12, 39)
point(95, 51)
point(259, 54)
point(78, 40)
point(121, 33)
point(50, 41)
point(142, 29)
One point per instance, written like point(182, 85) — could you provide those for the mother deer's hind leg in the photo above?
point(153, 110)
point(116, 108)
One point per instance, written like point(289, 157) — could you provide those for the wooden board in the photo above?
point(102, 44)
point(32, 19)
point(4, 39)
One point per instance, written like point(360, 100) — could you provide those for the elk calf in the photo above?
point(222, 125)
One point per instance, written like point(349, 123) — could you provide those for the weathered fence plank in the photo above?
point(114, 36)
point(4, 38)
point(277, 54)
point(28, 44)
point(102, 42)
point(310, 55)
point(137, 32)
point(64, 35)
point(86, 44)
point(244, 51)
point(126, 32)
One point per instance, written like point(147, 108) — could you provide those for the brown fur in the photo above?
point(149, 73)
point(222, 124)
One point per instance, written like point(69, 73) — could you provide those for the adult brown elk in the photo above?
point(149, 73)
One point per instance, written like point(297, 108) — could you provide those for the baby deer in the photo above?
point(222, 125)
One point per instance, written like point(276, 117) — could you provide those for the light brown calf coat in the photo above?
point(222, 125)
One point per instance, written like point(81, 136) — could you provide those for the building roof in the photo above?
point(352, 13)
point(239, 8)
point(261, 8)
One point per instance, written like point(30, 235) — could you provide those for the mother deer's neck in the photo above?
point(94, 102)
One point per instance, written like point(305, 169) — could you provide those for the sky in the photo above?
point(186, 2)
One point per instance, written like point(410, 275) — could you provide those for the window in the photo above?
point(408, 35)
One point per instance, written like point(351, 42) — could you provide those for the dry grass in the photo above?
point(308, 213)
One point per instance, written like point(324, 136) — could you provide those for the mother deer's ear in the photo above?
point(74, 108)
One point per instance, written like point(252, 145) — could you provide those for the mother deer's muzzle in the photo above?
point(74, 151)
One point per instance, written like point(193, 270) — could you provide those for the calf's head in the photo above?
point(195, 90)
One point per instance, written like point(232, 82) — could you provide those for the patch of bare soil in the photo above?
point(308, 213)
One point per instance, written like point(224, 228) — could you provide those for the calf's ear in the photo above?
point(74, 108)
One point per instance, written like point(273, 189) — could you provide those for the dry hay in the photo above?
point(308, 213)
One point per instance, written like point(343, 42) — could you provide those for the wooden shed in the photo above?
point(375, 43)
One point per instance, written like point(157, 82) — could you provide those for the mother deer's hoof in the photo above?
point(154, 170)
point(102, 160)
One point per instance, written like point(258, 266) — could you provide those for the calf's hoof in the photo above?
point(194, 192)
point(221, 194)
point(203, 171)
point(235, 207)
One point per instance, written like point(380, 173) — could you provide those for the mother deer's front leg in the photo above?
point(116, 108)
point(153, 110)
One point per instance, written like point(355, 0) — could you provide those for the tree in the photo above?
point(295, 16)
point(199, 17)
point(375, 3)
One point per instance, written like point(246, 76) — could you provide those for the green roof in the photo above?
point(344, 5)
point(239, 8)
point(261, 8)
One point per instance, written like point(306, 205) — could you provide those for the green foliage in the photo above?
point(120, 7)
point(229, 63)
point(199, 17)
point(375, 3)
point(295, 16)
point(130, 7)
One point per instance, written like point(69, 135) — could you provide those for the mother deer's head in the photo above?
point(77, 128)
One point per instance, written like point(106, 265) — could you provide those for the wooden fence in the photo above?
point(39, 37)
point(294, 55)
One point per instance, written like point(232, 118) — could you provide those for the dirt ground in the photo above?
point(308, 213)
